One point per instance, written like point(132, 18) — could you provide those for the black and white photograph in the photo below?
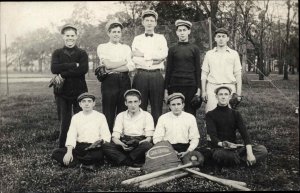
point(149, 96)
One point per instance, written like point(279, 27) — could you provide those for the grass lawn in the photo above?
point(29, 130)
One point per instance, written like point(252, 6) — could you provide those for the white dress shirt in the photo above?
point(177, 129)
point(221, 67)
point(115, 53)
point(140, 125)
point(88, 128)
point(153, 48)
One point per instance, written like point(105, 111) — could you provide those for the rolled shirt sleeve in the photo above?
point(72, 134)
point(159, 132)
point(104, 130)
point(149, 127)
point(118, 127)
point(194, 134)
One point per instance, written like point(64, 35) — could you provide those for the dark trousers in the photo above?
point(226, 157)
point(65, 108)
point(180, 147)
point(116, 154)
point(188, 92)
point(87, 157)
point(113, 88)
point(151, 86)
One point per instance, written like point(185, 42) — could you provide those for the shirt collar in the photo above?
point(113, 44)
point(227, 49)
point(175, 116)
point(129, 116)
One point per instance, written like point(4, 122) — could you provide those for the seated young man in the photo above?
point(178, 127)
point(88, 131)
point(222, 123)
point(132, 133)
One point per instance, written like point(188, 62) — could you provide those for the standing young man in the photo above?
point(132, 134)
point(221, 67)
point(222, 123)
point(70, 63)
point(149, 52)
point(88, 131)
point(178, 127)
point(183, 67)
point(116, 58)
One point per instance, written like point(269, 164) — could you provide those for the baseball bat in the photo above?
point(207, 175)
point(230, 183)
point(154, 174)
point(162, 179)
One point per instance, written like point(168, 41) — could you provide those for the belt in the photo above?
point(144, 70)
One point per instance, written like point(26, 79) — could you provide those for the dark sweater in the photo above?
point(64, 63)
point(222, 123)
point(183, 66)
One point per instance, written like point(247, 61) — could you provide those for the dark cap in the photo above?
point(85, 95)
point(111, 22)
point(222, 30)
point(180, 22)
point(175, 95)
point(223, 87)
point(132, 91)
point(67, 26)
point(149, 12)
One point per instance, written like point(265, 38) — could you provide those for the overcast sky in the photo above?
point(18, 18)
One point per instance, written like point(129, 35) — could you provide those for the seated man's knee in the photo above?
point(261, 152)
point(225, 157)
point(146, 145)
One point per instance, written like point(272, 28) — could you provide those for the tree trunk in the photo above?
point(285, 74)
point(285, 69)
point(260, 65)
point(244, 64)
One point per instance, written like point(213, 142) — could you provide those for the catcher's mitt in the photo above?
point(101, 73)
point(195, 154)
point(234, 102)
point(196, 102)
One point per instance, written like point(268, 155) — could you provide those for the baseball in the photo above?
point(193, 158)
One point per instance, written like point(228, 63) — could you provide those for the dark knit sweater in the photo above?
point(64, 63)
point(222, 123)
point(183, 66)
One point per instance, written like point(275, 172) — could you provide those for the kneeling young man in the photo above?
point(88, 131)
point(178, 127)
point(222, 123)
point(132, 133)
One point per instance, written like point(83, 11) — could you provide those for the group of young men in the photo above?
point(126, 131)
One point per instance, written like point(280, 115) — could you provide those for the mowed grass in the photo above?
point(29, 130)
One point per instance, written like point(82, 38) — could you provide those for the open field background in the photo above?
point(29, 129)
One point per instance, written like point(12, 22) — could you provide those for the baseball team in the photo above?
point(125, 130)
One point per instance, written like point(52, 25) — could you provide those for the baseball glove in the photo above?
point(95, 145)
point(234, 102)
point(101, 73)
point(132, 143)
point(196, 102)
point(57, 82)
point(188, 158)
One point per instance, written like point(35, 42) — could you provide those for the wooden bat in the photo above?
point(154, 174)
point(207, 175)
point(162, 179)
point(230, 183)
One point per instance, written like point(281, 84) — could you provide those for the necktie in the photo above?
point(151, 35)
